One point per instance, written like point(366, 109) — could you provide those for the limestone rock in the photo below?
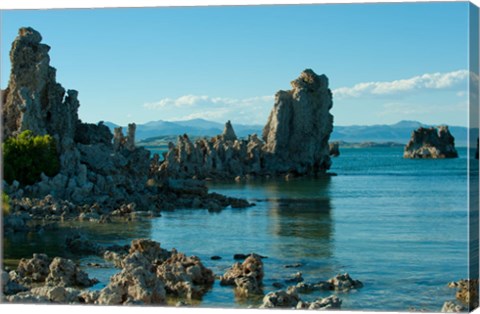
point(149, 273)
point(185, 277)
point(228, 132)
point(246, 277)
point(65, 273)
point(431, 143)
point(34, 270)
point(298, 129)
point(136, 282)
point(344, 282)
point(281, 299)
point(295, 140)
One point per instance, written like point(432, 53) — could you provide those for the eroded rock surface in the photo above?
point(431, 143)
point(150, 273)
point(246, 277)
point(96, 167)
point(294, 140)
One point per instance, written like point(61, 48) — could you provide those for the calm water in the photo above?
point(399, 226)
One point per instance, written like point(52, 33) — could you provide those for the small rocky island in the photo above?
point(433, 142)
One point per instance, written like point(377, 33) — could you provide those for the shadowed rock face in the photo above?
point(295, 140)
point(434, 142)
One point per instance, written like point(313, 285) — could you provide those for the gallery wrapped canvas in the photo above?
point(301, 157)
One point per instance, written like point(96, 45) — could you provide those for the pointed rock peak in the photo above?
point(30, 35)
point(309, 79)
point(228, 132)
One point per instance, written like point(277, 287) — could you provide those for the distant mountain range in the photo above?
point(399, 132)
point(196, 127)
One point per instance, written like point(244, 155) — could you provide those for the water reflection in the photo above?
point(52, 241)
point(299, 213)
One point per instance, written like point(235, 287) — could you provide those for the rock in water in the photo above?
point(434, 142)
point(299, 126)
point(334, 149)
point(295, 140)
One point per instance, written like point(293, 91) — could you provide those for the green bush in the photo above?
point(26, 156)
point(5, 204)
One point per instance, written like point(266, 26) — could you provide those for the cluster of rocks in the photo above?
point(42, 279)
point(148, 275)
point(290, 299)
point(466, 294)
point(294, 140)
point(97, 169)
point(433, 142)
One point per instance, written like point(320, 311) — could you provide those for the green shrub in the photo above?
point(5, 204)
point(26, 156)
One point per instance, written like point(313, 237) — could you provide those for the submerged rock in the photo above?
point(431, 143)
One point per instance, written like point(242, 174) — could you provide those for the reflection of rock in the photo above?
point(295, 140)
point(334, 149)
point(431, 143)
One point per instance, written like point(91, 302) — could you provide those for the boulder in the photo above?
point(344, 282)
point(246, 277)
point(34, 270)
point(281, 299)
point(65, 273)
point(434, 142)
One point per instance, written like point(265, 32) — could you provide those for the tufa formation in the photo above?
point(433, 142)
point(294, 140)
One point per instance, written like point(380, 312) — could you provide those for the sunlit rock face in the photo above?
point(298, 129)
point(434, 142)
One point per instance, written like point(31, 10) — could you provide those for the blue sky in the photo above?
point(385, 62)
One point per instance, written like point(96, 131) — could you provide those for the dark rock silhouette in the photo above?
point(431, 143)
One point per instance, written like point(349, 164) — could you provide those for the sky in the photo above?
point(385, 62)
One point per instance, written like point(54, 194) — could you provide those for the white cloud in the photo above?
point(241, 110)
point(426, 81)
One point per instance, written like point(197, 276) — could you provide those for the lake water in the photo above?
point(397, 225)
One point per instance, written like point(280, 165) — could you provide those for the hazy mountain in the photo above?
point(399, 132)
point(195, 127)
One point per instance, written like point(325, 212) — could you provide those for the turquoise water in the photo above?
point(399, 226)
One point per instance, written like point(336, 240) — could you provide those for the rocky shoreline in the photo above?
point(149, 274)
